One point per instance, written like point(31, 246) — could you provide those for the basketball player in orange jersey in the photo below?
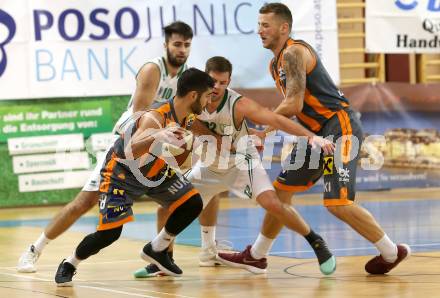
point(310, 95)
point(156, 82)
point(134, 166)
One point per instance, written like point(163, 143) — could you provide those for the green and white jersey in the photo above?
point(166, 90)
point(167, 85)
point(221, 122)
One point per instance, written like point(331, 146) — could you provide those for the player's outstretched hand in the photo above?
point(327, 146)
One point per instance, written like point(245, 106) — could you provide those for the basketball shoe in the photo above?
point(151, 270)
point(161, 259)
point(26, 263)
point(244, 260)
point(208, 256)
point(378, 265)
point(64, 274)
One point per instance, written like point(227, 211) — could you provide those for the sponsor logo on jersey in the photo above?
point(328, 165)
point(344, 175)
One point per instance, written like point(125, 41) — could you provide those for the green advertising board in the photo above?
point(98, 115)
point(85, 116)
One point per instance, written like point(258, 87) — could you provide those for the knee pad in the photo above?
point(194, 204)
point(107, 237)
point(93, 243)
point(184, 215)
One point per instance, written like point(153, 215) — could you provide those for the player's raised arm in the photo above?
point(147, 83)
point(295, 68)
point(247, 108)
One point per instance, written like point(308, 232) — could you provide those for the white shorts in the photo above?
point(248, 184)
point(94, 180)
point(123, 122)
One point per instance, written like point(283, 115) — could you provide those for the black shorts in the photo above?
point(306, 165)
point(115, 204)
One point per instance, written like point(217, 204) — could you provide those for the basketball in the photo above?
point(180, 153)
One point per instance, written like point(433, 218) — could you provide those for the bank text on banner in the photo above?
point(94, 48)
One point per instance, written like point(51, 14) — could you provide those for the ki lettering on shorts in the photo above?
point(327, 186)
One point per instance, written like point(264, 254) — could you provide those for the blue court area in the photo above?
point(415, 222)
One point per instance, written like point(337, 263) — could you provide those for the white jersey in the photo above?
point(166, 90)
point(242, 172)
point(221, 122)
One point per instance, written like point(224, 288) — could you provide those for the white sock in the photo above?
point(387, 248)
point(41, 242)
point(162, 241)
point(261, 246)
point(208, 236)
point(73, 260)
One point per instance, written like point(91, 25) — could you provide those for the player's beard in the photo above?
point(196, 106)
point(274, 40)
point(173, 61)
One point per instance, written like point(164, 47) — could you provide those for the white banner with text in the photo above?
point(403, 26)
point(93, 48)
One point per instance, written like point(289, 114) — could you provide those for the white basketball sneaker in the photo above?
point(208, 256)
point(26, 263)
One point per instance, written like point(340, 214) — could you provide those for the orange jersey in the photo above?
point(119, 174)
point(322, 99)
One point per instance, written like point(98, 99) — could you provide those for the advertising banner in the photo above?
point(85, 116)
point(51, 145)
point(92, 48)
point(403, 26)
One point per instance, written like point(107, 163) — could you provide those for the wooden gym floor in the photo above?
point(409, 216)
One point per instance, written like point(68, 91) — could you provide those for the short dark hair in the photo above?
point(179, 28)
point(218, 64)
point(193, 79)
point(280, 10)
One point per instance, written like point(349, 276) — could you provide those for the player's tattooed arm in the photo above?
point(295, 67)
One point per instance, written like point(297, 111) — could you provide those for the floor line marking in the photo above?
point(352, 248)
